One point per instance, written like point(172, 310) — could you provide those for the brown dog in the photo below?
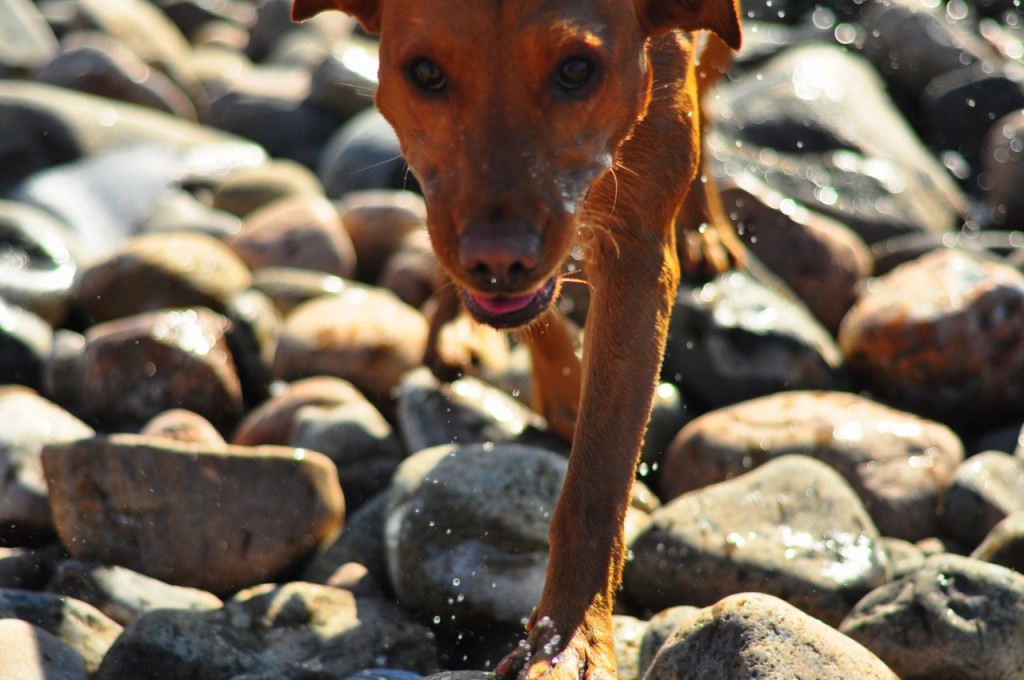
point(534, 126)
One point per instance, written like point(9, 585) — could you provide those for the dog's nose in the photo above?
point(499, 261)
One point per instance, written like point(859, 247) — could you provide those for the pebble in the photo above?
point(25, 342)
point(30, 653)
point(272, 631)
point(1004, 545)
point(28, 41)
point(753, 635)
point(898, 463)
point(983, 491)
point(792, 528)
point(378, 223)
point(938, 336)
point(221, 536)
point(945, 620)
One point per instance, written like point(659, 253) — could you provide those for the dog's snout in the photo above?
point(500, 260)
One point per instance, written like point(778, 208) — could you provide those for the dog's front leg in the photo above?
point(634, 284)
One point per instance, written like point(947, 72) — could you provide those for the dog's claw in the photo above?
point(547, 655)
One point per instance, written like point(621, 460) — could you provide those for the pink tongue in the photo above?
point(502, 304)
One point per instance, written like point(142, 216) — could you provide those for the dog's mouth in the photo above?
point(510, 311)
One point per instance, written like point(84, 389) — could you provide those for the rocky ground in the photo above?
point(221, 457)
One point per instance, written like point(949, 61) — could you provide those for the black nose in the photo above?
point(500, 258)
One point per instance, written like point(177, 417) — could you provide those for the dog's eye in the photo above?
point(575, 73)
point(427, 76)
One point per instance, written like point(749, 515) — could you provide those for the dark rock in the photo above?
point(735, 338)
point(1004, 545)
point(25, 343)
point(791, 528)
point(945, 620)
point(118, 500)
point(252, 338)
point(984, 490)
point(364, 154)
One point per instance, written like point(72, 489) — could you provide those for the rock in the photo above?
point(191, 17)
point(273, 421)
point(346, 80)
point(904, 557)
point(96, 64)
point(755, 635)
point(791, 528)
point(734, 339)
point(39, 269)
point(30, 653)
point(944, 621)
point(118, 500)
point(929, 335)
point(364, 154)
point(28, 41)
point(161, 271)
point(288, 288)
point(30, 423)
point(413, 272)
point(659, 628)
point(819, 258)
point(184, 426)
point(467, 532)
point(140, 366)
point(465, 411)
point(379, 222)
point(1004, 545)
point(363, 335)
point(984, 490)
point(252, 339)
point(76, 624)
point(816, 125)
point(960, 108)
point(28, 568)
point(899, 464)
point(1003, 164)
point(25, 342)
point(178, 210)
point(361, 542)
point(290, 631)
point(124, 595)
point(302, 232)
point(245, 190)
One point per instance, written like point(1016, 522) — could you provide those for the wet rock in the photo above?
point(363, 154)
point(290, 631)
point(30, 423)
point(96, 64)
point(246, 189)
point(962, 106)
point(756, 635)
point(184, 426)
point(30, 653)
point(78, 625)
point(816, 125)
point(735, 338)
point(301, 232)
point(28, 41)
point(467, 532)
point(1004, 545)
point(123, 594)
point(1003, 165)
point(817, 257)
point(945, 620)
point(25, 342)
point(899, 464)
point(118, 500)
point(379, 222)
point(140, 366)
point(984, 490)
point(669, 414)
point(39, 267)
point(363, 335)
point(929, 335)
point(269, 106)
point(465, 411)
point(791, 528)
point(161, 271)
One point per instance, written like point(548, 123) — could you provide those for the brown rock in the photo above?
point(378, 222)
point(119, 500)
point(898, 463)
point(184, 426)
point(941, 335)
point(159, 271)
point(248, 189)
point(302, 232)
point(752, 635)
point(363, 335)
point(273, 421)
point(140, 366)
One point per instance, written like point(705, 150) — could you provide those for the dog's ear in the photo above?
point(721, 17)
point(366, 11)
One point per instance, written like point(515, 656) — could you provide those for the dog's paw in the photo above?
point(549, 655)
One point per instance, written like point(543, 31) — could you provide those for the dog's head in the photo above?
point(508, 112)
